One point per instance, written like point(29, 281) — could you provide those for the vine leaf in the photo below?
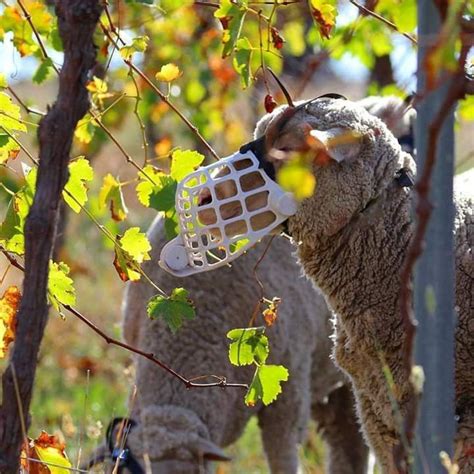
point(270, 314)
point(131, 250)
point(3, 81)
point(99, 89)
point(11, 229)
point(173, 309)
point(157, 189)
point(241, 61)
point(248, 346)
point(9, 304)
point(296, 177)
point(184, 162)
point(60, 286)
point(111, 193)
point(266, 384)
point(138, 45)
point(10, 123)
point(80, 172)
point(231, 17)
point(168, 73)
point(43, 71)
point(85, 129)
point(49, 451)
point(324, 16)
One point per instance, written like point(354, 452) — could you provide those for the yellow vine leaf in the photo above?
point(8, 308)
point(48, 455)
point(168, 73)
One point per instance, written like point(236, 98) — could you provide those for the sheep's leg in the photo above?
point(280, 441)
point(283, 424)
point(337, 420)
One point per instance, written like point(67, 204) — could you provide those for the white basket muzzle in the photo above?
point(223, 209)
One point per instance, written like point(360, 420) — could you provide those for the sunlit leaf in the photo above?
point(266, 384)
point(324, 15)
point(466, 108)
point(138, 45)
point(168, 73)
point(231, 17)
point(111, 195)
point(85, 129)
point(80, 172)
point(173, 309)
point(9, 304)
point(60, 286)
point(248, 346)
point(3, 81)
point(131, 250)
point(10, 123)
point(136, 244)
point(184, 162)
point(11, 229)
point(49, 451)
point(241, 60)
point(297, 178)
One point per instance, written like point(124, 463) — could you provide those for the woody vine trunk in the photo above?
point(77, 20)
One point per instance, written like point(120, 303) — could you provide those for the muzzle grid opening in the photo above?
point(223, 209)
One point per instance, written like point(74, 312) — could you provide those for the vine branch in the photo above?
point(77, 20)
point(188, 383)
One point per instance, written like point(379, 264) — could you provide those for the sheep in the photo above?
point(332, 402)
point(352, 235)
point(181, 429)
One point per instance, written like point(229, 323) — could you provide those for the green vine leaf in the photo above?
point(266, 384)
point(60, 286)
point(131, 250)
point(43, 71)
point(111, 194)
point(241, 61)
point(80, 172)
point(85, 129)
point(248, 346)
point(173, 309)
point(11, 229)
point(138, 45)
point(10, 123)
point(232, 18)
point(184, 162)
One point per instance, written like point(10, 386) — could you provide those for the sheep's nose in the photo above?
point(204, 198)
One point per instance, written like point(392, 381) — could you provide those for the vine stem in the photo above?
point(367, 11)
point(37, 35)
point(155, 88)
point(188, 383)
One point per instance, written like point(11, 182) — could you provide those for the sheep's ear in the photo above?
point(340, 144)
point(208, 450)
point(395, 112)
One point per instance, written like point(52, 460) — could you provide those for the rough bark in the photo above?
point(77, 21)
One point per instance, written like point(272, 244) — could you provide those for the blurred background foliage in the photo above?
point(222, 52)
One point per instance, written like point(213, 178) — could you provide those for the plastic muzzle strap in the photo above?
point(243, 205)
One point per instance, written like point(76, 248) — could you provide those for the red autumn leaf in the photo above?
point(44, 451)
point(323, 14)
point(270, 315)
point(270, 103)
point(8, 309)
point(277, 39)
